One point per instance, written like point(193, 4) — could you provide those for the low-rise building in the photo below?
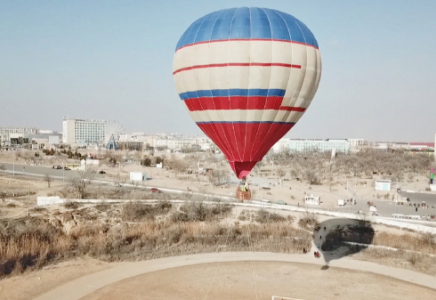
point(16, 135)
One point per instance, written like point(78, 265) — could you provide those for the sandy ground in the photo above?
point(242, 275)
point(260, 280)
point(34, 283)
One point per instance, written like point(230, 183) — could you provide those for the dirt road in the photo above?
point(108, 281)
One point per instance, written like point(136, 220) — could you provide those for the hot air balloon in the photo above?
point(246, 76)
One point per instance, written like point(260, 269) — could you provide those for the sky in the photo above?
point(113, 60)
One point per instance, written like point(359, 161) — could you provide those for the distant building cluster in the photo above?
point(171, 142)
point(92, 133)
point(32, 137)
point(346, 145)
point(312, 145)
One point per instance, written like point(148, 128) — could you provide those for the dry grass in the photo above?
point(416, 252)
point(264, 216)
point(399, 259)
point(424, 243)
point(134, 211)
point(309, 222)
point(32, 243)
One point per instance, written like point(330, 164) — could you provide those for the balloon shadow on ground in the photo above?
point(337, 238)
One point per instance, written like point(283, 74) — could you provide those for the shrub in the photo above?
point(72, 205)
point(199, 211)
point(264, 216)
point(134, 211)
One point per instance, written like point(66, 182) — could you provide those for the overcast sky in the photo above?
point(113, 60)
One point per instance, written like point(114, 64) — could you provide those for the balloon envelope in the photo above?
point(246, 76)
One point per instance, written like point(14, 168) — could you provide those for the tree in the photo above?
point(48, 179)
point(146, 162)
point(176, 164)
point(79, 184)
point(218, 177)
point(281, 173)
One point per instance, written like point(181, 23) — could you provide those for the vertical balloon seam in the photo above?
point(309, 94)
point(287, 114)
point(305, 69)
point(231, 153)
point(265, 135)
point(214, 126)
point(220, 126)
point(201, 116)
point(235, 144)
point(236, 154)
point(260, 121)
point(208, 130)
point(278, 134)
point(248, 86)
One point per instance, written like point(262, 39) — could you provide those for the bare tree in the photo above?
point(80, 184)
point(218, 177)
point(176, 164)
point(48, 179)
point(281, 173)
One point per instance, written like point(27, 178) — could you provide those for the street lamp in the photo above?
point(13, 164)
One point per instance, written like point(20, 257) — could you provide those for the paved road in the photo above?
point(429, 198)
point(385, 208)
point(83, 286)
point(40, 171)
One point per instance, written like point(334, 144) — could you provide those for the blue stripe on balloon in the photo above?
point(232, 92)
point(244, 122)
point(247, 23)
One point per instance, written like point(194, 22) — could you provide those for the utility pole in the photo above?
point(13, 164)
point(396, 200)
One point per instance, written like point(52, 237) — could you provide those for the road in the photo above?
point(429, 198)
point(40, 171)
point(86, 285)
point(385, 208)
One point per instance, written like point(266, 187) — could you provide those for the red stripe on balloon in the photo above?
point(238, 65)
point(239, 102)
point(234, 102)
point(245, 141)
point(292, 108)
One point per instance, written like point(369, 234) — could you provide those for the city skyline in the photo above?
point(114, 61)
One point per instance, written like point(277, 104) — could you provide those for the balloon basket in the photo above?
point(243, 196)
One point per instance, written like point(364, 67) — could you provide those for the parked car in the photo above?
point(66, 169)
point(155, 190)
point(281, 202)
point(102, 172)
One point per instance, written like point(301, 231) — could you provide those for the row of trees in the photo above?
point(315, 166)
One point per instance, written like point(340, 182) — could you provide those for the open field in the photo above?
point(260, 280)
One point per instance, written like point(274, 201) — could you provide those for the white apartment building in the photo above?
point(305, 145)
point(282, 145)
point(83, 132)
point(339, 145)
point(356, 143)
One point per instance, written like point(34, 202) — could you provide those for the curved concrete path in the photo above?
point(83, 286)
